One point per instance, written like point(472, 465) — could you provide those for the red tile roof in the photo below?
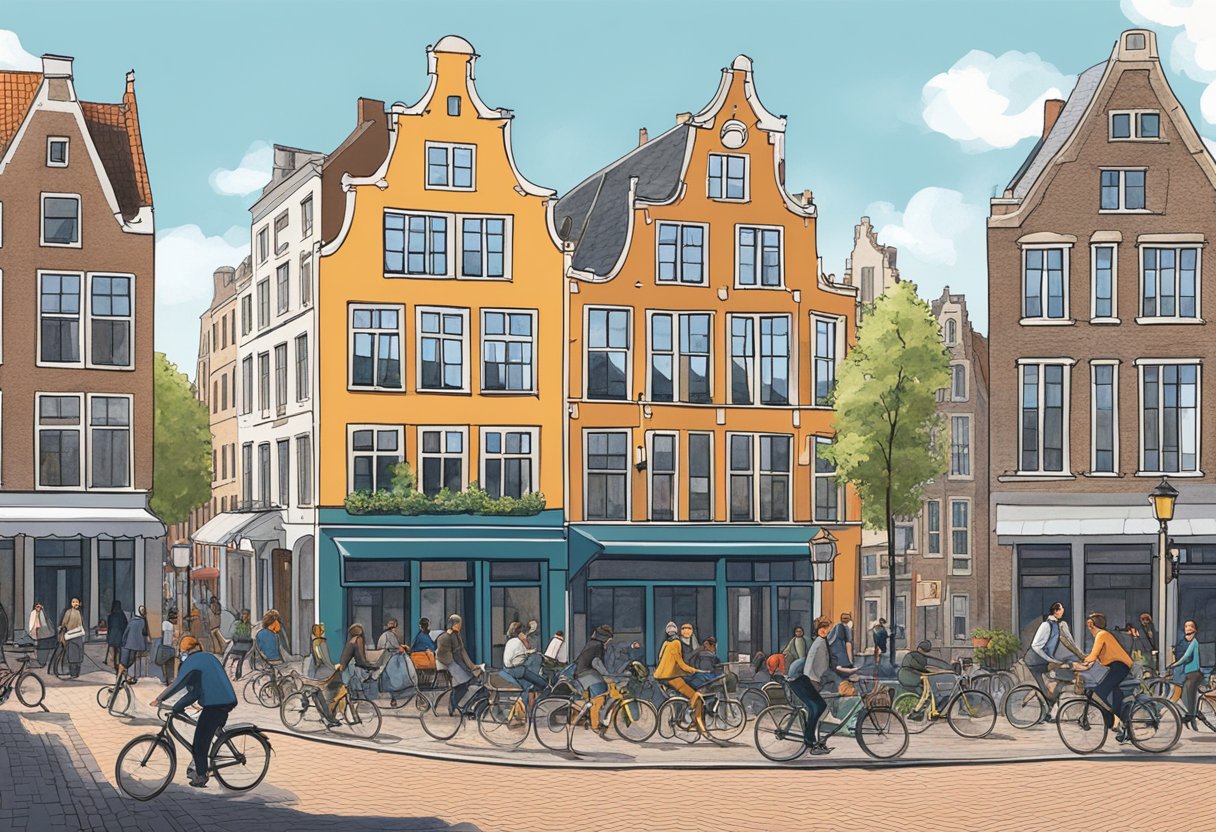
point(17, 91)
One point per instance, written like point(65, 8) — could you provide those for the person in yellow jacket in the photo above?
point(672, 669)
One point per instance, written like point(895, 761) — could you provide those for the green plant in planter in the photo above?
point(403, 498)
point(1002, 645)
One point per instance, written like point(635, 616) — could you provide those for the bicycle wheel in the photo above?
point(145, 766)
point(300, 712)
point(635, 720)
point(114, 698)
point(362, 718)
point(753, 701)
point(881, 733)
point(439, 720)
point(676, 715)
point(1081, 726)
point(999, 686)
point(503, 722)
point(780, 733)
point(725, 719)
point(30, 691)
point(915, 715)
point(972, 714)
point(252, 685)
point(240, 758)
point(269, 695)
point(1154, 725)
point(1025, 706)
point(1166, 689)
point(1207, 712)
point(551, 720)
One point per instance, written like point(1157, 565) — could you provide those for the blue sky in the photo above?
point(912, 112)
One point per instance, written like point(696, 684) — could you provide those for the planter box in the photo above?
point(980, 642)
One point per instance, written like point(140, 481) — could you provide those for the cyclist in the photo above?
point(520, 661)
point(673, 670)
point(452, 656)
point(589, 672)
point(206, 683)
point(1051, 635)
point(1111, 655)
point(918, 664)
point(1188, 664)
point(807, 684)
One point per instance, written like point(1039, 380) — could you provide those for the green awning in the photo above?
point(588, 542)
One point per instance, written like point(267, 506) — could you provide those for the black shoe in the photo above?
point(199, 782)
point(1121, 736)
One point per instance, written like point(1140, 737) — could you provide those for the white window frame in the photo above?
point(265, 402)
point(449, 146)
point(258, 293)
point(955, 366)
point(246, 313)
point(532, 456)
point(930, 551)
point(248, 383)
point(463, 430)
point(507, 338)
point(951, 332)
point(1040, 363)
point(1066, 267)
point(970, 556)
point(282, 288)
point(1160, 363)
point(838, 350)
point(676, 315)
point(302, 379)
point(1122, 209)
point(627, 474)
point(711, 477)
point(747, 177)
point(1094, 317)
point(306, 217)
point(756, 374)
point(816, 475)
point(82, 329)
point(305, 270)
point(588, 349)
point(970, 475)
point(465, 339)
point(263, 243)
point(282, 223)
point(508, 234)
point(450, 251)
point(304, 480)
point(67, 145)
point(350, 450)
point(87, 328)
point(1133, 125)
point(759, 284)
point(87, 446)
point(679, 280)
point(756, 473)
point(966, 616)
point(351, 308)
point(1141, 318)
point(42, 198)
point(1113, 363)
point(675, 475)
point(281, 369)
point(81, 430)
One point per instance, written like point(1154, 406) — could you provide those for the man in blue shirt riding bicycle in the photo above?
point(205, 682)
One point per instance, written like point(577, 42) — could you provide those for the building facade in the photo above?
point(1096, 262)
point(440, 283)
point(76, 370)
point(870, 267)
point(703, 346)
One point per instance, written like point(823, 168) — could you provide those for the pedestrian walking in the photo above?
point(215, 620)
point(116, 628)
point(134, 644)
point(72, 635)
point(881, 637)
point(166, 650)
point(795, 648)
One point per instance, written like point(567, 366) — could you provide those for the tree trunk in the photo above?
point(891, 574)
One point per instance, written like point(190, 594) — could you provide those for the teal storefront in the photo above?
point(749, 586)
point(488, 570)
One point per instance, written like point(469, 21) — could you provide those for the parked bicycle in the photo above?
point(24, 682)
point(970, 713)
point(780, 730)
point(1152, 723)
point(115, 697)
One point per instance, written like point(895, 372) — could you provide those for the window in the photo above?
point(951, 332)
point(264, 474)
point(59, 314)
point(60, 220)
point(1105, 417)
point(960, 536)
point(607, 467)
point(247, 472)
point(442, 454)
point(727, 176)
point(246, 314)
point(772, 377)
point(282, 288)
point(449, 166)
point(264, 303)
point(215, 397)
point(608, 353)
point(1044, 424)
point(1043, 279)
point(375, 347)
point(933, 522)
point(110, 320)
point(827, 489)
point(263, 244)
point(758, 260)
point(1168, 281)
point(60, 439)
point(453, 105)
point(302, 367)
point(247, 384)
point(681, 256)
point(1169, 425)
point(869, 568)
point(1104, 282)
point(958, 615)
point(304, 469)
point(1147, 125)
point(306, 218)
point(305, 280)
point(374, 450)
point(415, 244)
point(57, 152)
point(960, 446)
point(508, 461)
point(280, 379)
point(224, 390)
point(663, 480)
point(507, 346)
point(1122, 190)
point(442, 340)
point(825, 360)
point(280, 235)
point(483, 247)
point(116, 573)
point(264, 383)
point(958, 383)
point(684, 375)
point(283, 449)
point(700, 477)
point(764, 493)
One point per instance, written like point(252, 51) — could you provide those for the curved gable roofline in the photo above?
point(765, 120)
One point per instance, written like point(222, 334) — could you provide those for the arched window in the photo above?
point(951, 331)
point(958, 383)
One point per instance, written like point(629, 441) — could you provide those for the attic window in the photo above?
point(734, 134)
point(453, 105)
point(1132, 125)
point(1135, 40)
point(57, 152)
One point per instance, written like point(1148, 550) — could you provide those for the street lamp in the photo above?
point(183, 554)
point(1163, 498)
point(823, 553)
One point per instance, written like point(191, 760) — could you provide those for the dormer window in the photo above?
point(1132, 125)
point(727, 176)
point(1135, 40)
point(57, 152)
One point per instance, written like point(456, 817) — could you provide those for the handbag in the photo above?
point(164, 655)
point(74, 633)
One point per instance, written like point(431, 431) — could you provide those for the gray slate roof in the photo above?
point(1046, 149)
point(598, 209)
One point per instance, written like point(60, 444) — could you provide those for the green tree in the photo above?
point(886, 412)
point(181, 465)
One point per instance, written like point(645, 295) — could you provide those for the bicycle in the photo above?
point(115, 698)
point(1151, 723)
point(724, 717)
point(1027, 705)
point(239, 758)
point(441, 718)
point(24, 682)
point(995, 683)
point(780, 731)
point(970, 713)
point(303, 708)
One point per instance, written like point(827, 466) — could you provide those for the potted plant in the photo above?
point(999, 650)
point(980, 637)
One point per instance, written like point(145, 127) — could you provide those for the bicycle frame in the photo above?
point(168, 729)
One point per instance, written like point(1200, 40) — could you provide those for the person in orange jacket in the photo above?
point(672, 669)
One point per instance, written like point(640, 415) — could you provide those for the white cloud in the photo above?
point(186, 258)
point(13, 56)
point(251, 174)
point(1193, 47)
point(985, 102)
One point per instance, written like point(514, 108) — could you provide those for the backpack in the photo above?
point(776, 664)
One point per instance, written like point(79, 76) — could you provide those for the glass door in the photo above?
point(447, 589)
point(59, 577)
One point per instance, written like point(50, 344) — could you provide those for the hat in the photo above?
point(671, 629)
point(602, 633)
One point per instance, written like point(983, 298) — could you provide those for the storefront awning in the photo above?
point(1072, 521)
point(78, 521)
point(233, 526)
point(587, 542)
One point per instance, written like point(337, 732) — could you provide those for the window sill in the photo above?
point(1047, 321)
point(439, 391)
point(1190, 475)
point(1104, 321)
point(1108, 475)
point(359, 388)
point(742, 288)
point(507, 392)
point(1035, 476)
point(1125, 211)
point(1150, 321)
point(960, 477)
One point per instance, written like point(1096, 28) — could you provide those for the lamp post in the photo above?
point(1163, 498)
point(823, 555)
point(183, 554)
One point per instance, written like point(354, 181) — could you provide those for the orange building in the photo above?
point(704, 342)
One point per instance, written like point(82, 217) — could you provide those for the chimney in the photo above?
point(1051, 112)
point(642, 136)
point(807, 196)
point(370, 109)
point(683, 118)
point(57, 69)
